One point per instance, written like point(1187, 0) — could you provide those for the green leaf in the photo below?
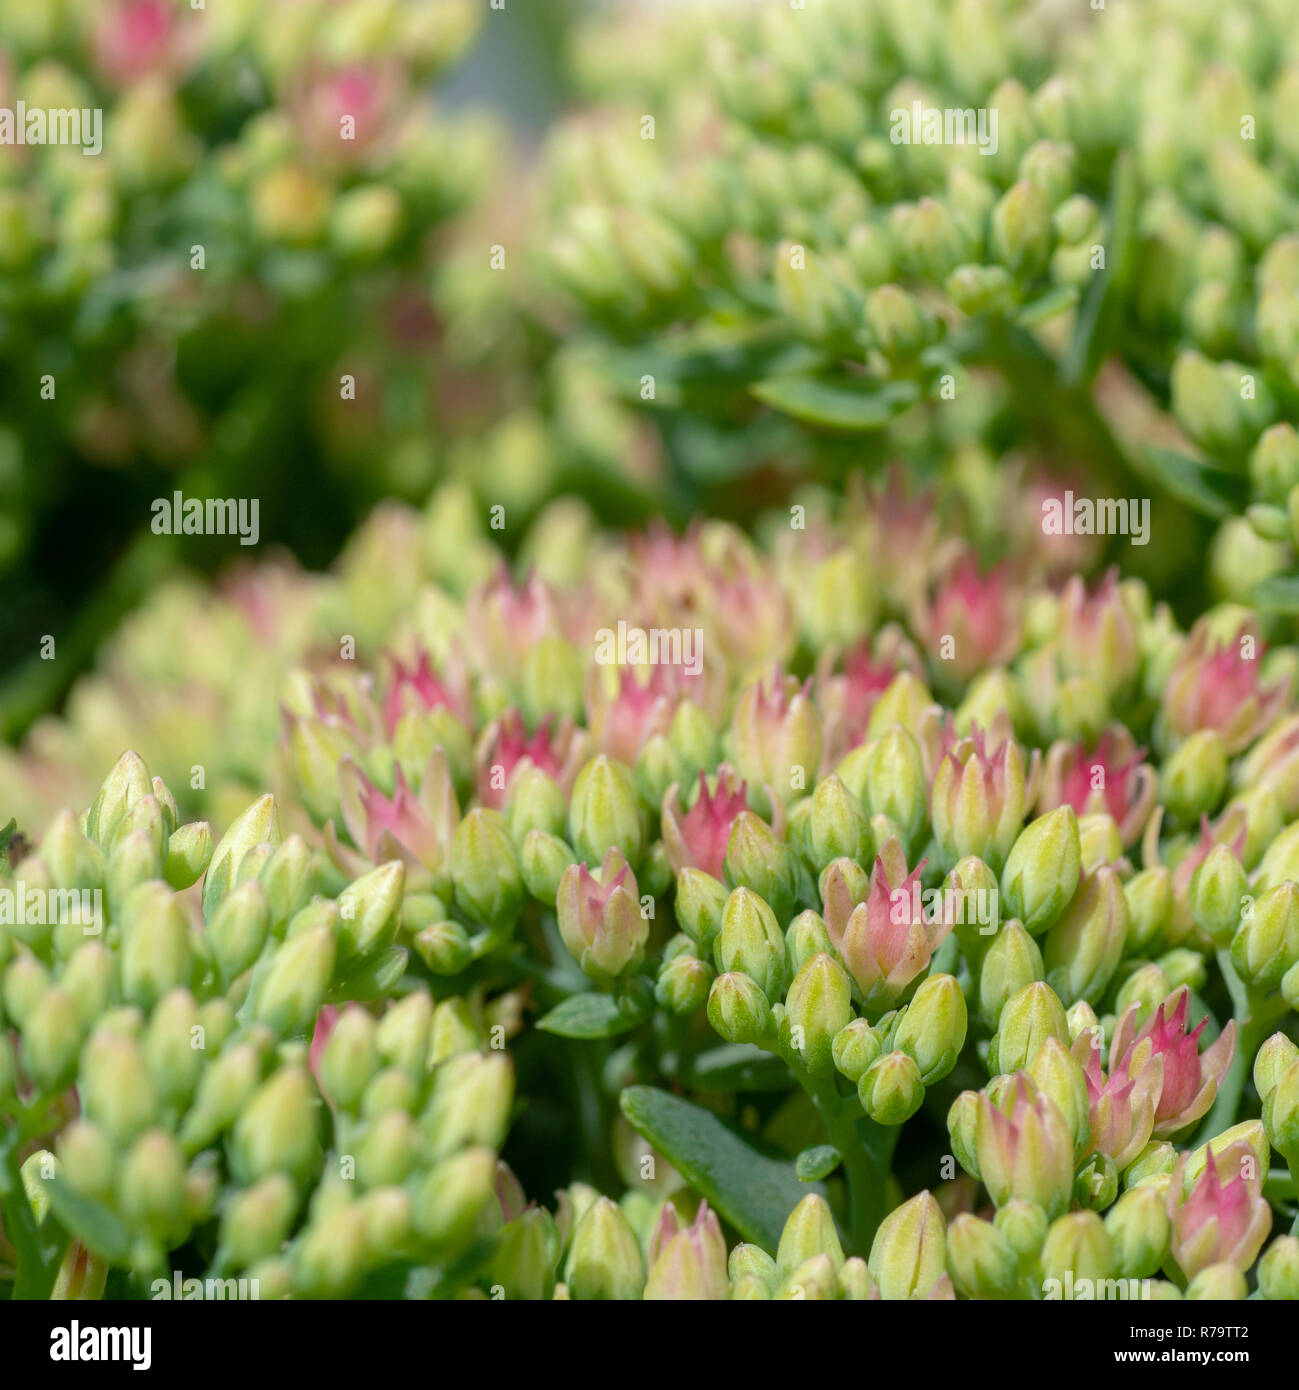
point(737, 1067)
point(373, 979)
point(751, 1191)
point(592, 1015)
point(1055, 301)
point(837, 404)
point(816, 1163)
point(1207, 489)
point(1100, 309)
point(1279, 593)
point(97, 1228)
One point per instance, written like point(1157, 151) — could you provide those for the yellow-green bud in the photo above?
point(604, 1260)
point(276, 1131)
point(1042, 870)
point(603, 813)
point(933, 1027)
point(909, 1253)
point(891, 1091)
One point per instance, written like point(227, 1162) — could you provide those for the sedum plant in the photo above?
point(904, 928)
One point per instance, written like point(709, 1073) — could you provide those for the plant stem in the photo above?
point(863, 1170)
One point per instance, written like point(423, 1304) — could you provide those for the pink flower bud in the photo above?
point(699, 838)
point(776, 735)
point(418, 687)
point(1217, 686)
point(600, 919)
point(1113, 777)
point(507, 748)
point(1225, 1218)
point(978, 612)
point(136, 37)
point(1097, 636)
point(413, 828)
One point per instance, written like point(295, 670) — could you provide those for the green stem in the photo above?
point(864, 1165)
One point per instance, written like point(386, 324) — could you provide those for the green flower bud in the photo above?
point(1082, 1019)
point(294, 988)
point(854, 1048)
point(1020, 234)
point(1024, 1224)
point(387, 1150)
point(536, 803)
point(1215, 894)
point(155, 955)
point(1077, 1245)
point(1266, 943)
point(891, 1091)
point(895, 784)
point(603, 813)
point(1058, 1075)
point(1272, 1060)
point(1042, 870)
point(1157, 1159)
point(738, 1009)
point(259, 824)
point(257, 1221)
point(604, 1260)
point(284, 878)
point(982, 1262)
point(88, 1160)
point(390, 1089)
point(1183, 967)
point(962, 1124)
point(350, 1058)
point(369, 910)
point(1281, 1112)
point(484, 869)
point(133, 860)
point(1096, 1184)
point(151, 1187)
point(444, 947)
point(683, 984)
point(1274, 464)
point(909, 1253)
point(809, 1231)
point(121, 789)
point(1194, 777)
point(276, 1131)
point(1218, 1283)
point(115, 1087)
point(818, 1007)
point(756, 859)
point(1150, 907)
point(1012, 963)
point(1147, 987)
point(1140, 1232)
point(813, 1280)
point(806, 936)
point(455, 1029)
point(933, 1027)
point(1028, 1019)
point(544, 859)
point(750, 941)
point(1278, 1270)
point(470, 1102)
point(837, 826)
point(404, 1032)
point(700, 904)
point(189, 851)
point(1085, 946)
point(174, 1046)
point(898, 325)
point(526, 1255)
point(237, 930)
point(224, 1086)
point(980, 289)
point(51, 1038)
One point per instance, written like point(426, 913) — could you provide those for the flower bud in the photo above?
point(151, 1187)
point(962, 1125)
point(1026, 1154)
point(756, 859)
point(603, 813)
point(1042, 870)
point(854, 1048)
point(470, 1102)
point(1215, 894)
point(738, 1009)
point(1077, 1245)
point(891, 1091)
point(1281, 1112)
point(544, 858)
point(174, 1045)
point(982, 1262)
point(806, 936)
point(189, 851)
point(1028, 1019)
point(226, 1083)
point(817, 1009)
point(1096, 1183)
point(1149, 896)
point(683, 984)
point(1020, 232)
point(1278, 1270)
point(1194, 776)
point(1024, 1224)
point(115, 1087)
point(1220, 1283)
point(933, 1027)
point(484, 869)
point(237, 930)
point(350, 1058)
point(1139, 1232)
point(294, 987)
point(837, 826)
point(155, 955)
point(604, 1260)
point(259, 824)
point(121, 789)
point(257, 1221)
point(51, 1039)
point(909, 1253)
point(1012, 963)
point(978, 801)
point(1057, 1074)
point(276, 1129)
point(1085, 946)
point(1266, 943)
point(751, 941)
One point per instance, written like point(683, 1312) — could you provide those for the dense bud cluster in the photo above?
point(1036, 882)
